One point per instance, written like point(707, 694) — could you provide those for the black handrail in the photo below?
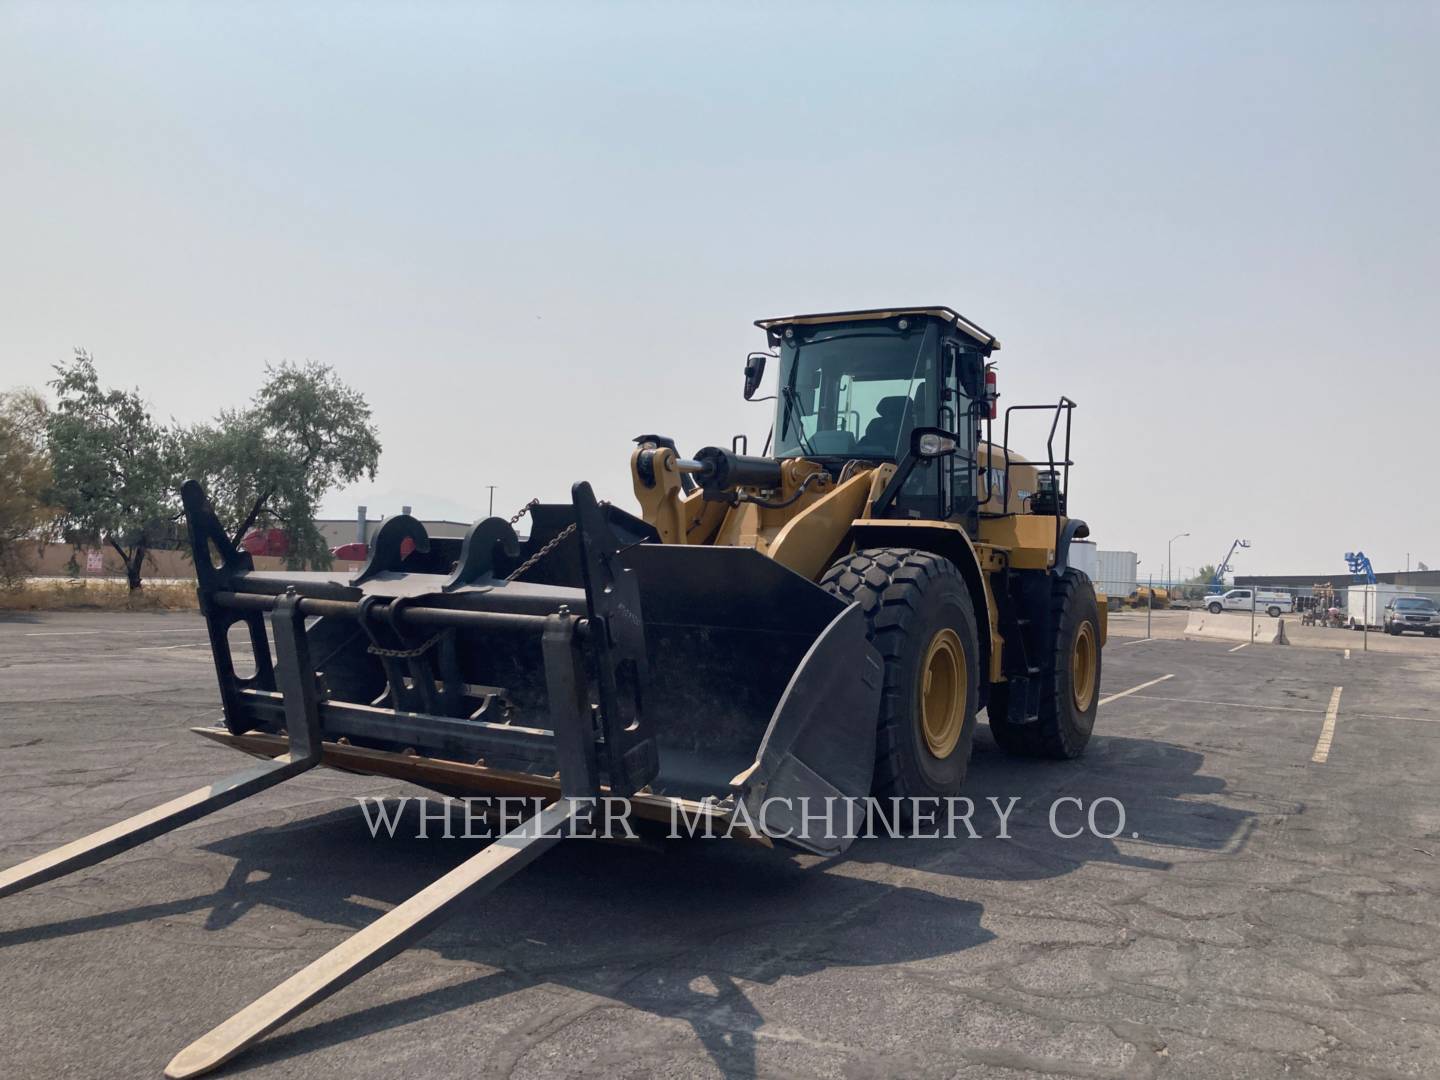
point(1065, 406)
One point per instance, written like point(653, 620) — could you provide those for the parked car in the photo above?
point(1272, 603)
point(1417, 613)
point(266, 542)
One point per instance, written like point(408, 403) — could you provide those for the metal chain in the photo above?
point(515, 517)
point(407, 654)
point(550, 545)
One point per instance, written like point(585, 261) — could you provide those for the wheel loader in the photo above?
point(817, 624)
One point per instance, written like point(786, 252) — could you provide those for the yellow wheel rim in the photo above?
point(944, 688)
point(1082, 667)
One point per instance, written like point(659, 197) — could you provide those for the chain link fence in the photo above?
point(1384, 608)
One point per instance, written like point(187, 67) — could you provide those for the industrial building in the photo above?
point(1304, 584)
point(359, 529)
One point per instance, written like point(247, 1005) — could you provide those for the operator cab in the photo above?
point(854, 385)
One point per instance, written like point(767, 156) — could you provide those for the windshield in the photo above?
point(1414, 603)
point(855, 392)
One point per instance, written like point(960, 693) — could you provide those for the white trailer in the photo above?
point(1085, 557)
point(1116, 572)
point(1365, 605)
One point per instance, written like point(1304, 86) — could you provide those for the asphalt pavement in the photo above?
point(1267, 909)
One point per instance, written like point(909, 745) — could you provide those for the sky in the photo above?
point(528, 233)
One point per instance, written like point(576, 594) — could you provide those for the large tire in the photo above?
point(1070, 680)
point(920, 618)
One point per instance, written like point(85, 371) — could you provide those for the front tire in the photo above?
point(921, 619)
point(1215, 609)
point(1070, 683)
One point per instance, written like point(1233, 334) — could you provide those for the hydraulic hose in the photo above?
point(765, 504)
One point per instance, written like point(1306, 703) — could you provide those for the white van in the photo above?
point(1272, 603)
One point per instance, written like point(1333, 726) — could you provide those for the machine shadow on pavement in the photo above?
point(1159, 784)
point(677, 913)
point(673, 914)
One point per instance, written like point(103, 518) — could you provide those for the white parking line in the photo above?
point(1384, 716)
point(1229, 704)
point(1137, 641)
point(1327, 732)
point(1134, 689)
point(1237, 648)
point(107, 633)
point(162, 648)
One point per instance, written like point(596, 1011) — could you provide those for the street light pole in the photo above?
point(1170, 566)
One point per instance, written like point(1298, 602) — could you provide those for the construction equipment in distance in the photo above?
point(1359, 564)
point(823, 621)
point(1217, 581)
point(1146, 596)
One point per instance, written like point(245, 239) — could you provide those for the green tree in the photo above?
point(25, 513)
point(304, 434)
point(1204, 575)
point(114, 475)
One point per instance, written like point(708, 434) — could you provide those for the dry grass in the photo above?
point(81, 595)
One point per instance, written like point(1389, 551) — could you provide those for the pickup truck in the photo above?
point(1272, 603)
point(1417, 613)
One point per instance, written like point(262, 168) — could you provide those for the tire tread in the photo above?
point(887, 584)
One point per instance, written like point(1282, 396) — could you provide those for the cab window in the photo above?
point(855, 393)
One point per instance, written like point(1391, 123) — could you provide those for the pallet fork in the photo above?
point(302, 726)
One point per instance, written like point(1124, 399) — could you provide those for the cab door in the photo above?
point(962, 385)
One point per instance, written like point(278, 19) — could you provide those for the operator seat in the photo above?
point(892, 417)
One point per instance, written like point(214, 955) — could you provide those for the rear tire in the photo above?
point(1273, 612)
point(1070, 685)
point(921, 619)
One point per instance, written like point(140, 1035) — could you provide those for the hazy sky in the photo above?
point(528, 233)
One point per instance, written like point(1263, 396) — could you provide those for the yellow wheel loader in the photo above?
point(771, 637)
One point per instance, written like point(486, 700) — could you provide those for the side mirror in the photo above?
point(932, 442)
point(754, 372)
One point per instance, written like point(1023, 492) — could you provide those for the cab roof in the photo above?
point(944, 314)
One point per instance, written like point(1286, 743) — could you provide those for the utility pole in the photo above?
point(1169, 565)
point(492, 500)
